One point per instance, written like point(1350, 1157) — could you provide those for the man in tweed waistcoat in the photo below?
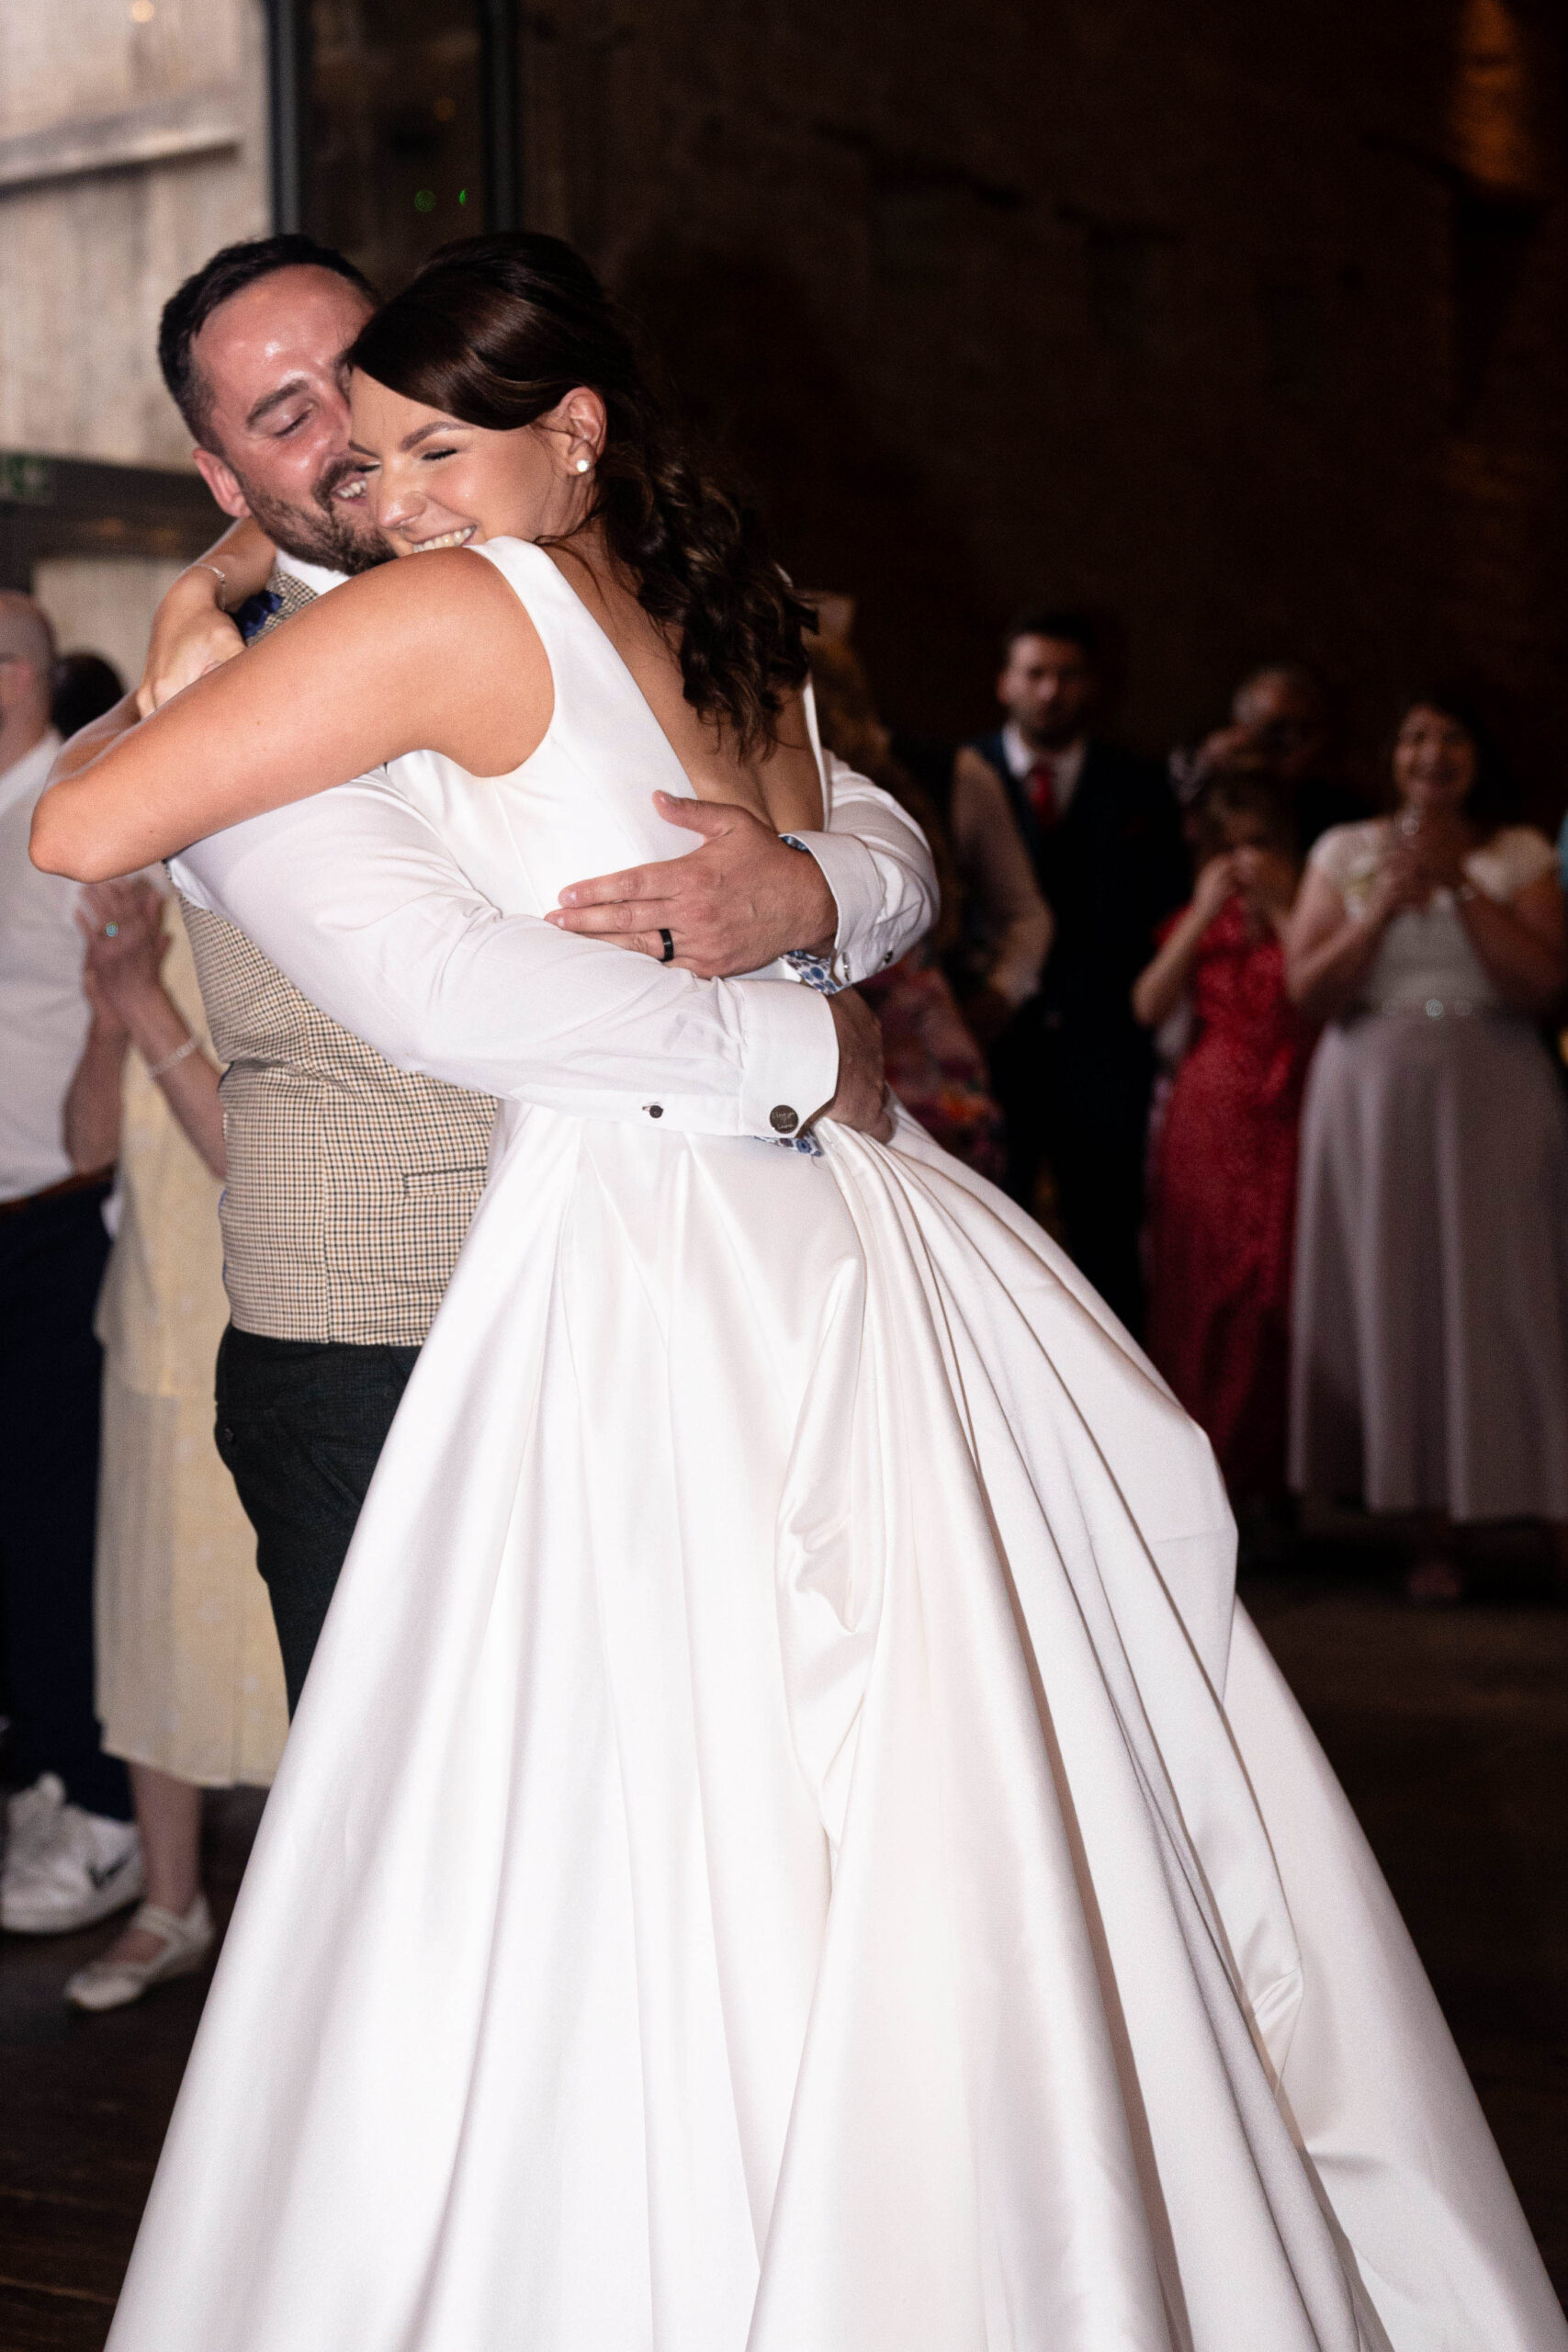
point(352, 1179)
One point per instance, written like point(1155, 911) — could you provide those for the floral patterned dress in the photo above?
point(933, 1065)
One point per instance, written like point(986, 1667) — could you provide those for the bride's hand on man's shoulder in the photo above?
point(861, 1100)
point(190, 637)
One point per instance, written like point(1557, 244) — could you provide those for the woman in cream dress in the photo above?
point(190, 1684)
point(1430, 1357)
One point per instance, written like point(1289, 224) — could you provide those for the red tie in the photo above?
point(1039, 785)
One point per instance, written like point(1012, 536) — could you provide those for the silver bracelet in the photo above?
point(222, 577)
point(160, 1069)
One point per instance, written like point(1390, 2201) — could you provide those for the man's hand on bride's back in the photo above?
point(732, 905)
point(861, 1100)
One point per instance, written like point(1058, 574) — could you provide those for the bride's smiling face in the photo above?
point(432, 482)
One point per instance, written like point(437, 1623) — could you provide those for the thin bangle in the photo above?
point(160, 1070)
point(201, 565)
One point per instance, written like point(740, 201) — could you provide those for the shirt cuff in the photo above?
point(791, 1067)
point(850, 873)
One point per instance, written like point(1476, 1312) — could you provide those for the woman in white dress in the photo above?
point(787, 1844)
point(189, 1681)
point(1429, 1372)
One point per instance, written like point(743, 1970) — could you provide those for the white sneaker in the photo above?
point(64, 1868)
point(112, 1984)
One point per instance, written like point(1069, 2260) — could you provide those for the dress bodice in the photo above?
point(583, 803)
point(1427, 963)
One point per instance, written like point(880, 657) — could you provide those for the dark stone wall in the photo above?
point(1244, 324)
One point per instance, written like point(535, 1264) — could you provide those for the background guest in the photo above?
point(932, 1061)
point(1222, 1206)
point(1282, 728)
point(995, 947)
point(85, 685)
point(71, 1854)
point(1431, 1364)
point(1073, 1069)
point(190, 1682)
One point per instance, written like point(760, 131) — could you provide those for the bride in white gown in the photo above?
point(788, 1845)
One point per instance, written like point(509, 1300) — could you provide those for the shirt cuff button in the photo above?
point(783, 1120)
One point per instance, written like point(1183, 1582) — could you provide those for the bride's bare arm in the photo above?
point(433, 653)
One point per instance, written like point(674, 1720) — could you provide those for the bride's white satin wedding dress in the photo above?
point(788, 1845)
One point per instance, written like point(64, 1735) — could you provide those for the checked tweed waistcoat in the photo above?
point(351, 1183)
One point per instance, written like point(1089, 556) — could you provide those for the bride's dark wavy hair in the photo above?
point(495, 331)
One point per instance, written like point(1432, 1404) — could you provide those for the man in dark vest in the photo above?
point(1072, 1070)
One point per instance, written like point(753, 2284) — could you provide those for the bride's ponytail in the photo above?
point(497, 330)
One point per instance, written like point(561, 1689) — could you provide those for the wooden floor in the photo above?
point(1449, 1730)
point(84, 2102)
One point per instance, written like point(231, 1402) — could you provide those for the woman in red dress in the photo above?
point(1222, 1194)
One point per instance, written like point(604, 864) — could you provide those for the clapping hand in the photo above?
point(1427, 851)
point(1218, 882)
point(123, 925)
point(1266, 878)
point(1401, 885)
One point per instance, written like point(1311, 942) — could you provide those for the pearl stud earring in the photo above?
point(582, 465)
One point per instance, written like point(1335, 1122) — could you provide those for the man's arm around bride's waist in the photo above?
point(355, 897)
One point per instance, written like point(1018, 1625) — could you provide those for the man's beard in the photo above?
point(320, 533)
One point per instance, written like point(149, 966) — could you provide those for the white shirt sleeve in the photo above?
point(355, 897)
point(877, 863)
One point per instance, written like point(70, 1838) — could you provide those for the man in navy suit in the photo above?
point(1073, 1069)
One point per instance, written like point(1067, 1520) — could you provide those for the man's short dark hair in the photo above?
point(1068, 623)
point(188, 310)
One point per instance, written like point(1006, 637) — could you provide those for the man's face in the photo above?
point(276, 432)
point(1048, 690)
point(1284, 721)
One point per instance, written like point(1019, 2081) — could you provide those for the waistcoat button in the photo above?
point(654, 1110)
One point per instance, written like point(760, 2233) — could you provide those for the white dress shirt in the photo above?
point(43, 1013)
point(354, 895)
point(1066, 765)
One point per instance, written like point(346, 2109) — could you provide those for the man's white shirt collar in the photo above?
point(1065, 766)
point(314, 576)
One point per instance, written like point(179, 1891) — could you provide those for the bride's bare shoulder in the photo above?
point(450, 592)
point(438, 647)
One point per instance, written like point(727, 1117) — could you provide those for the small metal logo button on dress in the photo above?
point(783, 1120)
point(654, 1110)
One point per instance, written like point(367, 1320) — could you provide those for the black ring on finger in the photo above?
point(668, 938)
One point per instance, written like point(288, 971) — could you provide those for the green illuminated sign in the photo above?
point(26, 481)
